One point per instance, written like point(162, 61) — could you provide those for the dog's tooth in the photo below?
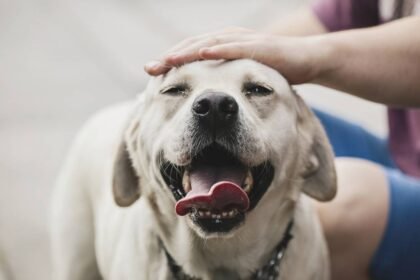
point(231, 213)
point(208, 213)
point(186, 183)
point(248, 182)
point(214, 216)
point(224, 214)
point(200, 213)
point(247, 188)
point(219, 216)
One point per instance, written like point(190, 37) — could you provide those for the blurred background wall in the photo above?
point(62, 60)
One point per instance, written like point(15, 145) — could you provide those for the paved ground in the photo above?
point(62, 60)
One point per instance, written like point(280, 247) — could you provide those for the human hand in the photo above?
point(293, 57)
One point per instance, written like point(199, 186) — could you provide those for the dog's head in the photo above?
point(212, 141)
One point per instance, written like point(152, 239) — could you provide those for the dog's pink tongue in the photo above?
point(214, 188)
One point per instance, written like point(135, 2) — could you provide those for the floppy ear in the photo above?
point(125, 182)
point(318, 172)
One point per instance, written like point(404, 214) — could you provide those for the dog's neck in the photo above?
point(270, 270)
point(239, 256)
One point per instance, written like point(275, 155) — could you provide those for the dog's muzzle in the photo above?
point(216, 188)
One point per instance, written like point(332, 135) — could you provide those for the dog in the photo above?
point(209, 174)
point(5, 272)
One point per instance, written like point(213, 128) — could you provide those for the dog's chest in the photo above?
point(125, 247)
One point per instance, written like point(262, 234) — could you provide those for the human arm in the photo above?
point(379, 63)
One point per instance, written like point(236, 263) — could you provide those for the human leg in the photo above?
point(351, 140)
point(355, 220)
point(373, 225)
point(398, 254)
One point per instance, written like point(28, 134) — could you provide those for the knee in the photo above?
point(362, 193)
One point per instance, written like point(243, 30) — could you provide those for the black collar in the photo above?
point(271, 270)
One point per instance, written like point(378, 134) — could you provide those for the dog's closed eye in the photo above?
point(176, 90)
point(256, 89)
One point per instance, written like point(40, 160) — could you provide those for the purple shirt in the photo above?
point(404, 124)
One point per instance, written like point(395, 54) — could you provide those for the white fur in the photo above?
point(92, 237)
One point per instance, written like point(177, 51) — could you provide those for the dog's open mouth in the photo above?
point(216, 189)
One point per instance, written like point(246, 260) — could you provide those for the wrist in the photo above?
point(324, 58)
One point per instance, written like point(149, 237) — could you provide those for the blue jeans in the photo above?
point(398, 255)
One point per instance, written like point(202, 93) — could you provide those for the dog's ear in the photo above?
point(318, 172)
point(125, 182)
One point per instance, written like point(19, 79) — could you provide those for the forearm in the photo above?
point(381, 64)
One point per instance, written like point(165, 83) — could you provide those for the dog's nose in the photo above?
point(215, 109)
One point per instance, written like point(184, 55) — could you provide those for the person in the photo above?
point(370, 49)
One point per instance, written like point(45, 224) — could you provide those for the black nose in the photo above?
point(215, 110)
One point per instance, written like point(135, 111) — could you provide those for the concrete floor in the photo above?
point(61, 60)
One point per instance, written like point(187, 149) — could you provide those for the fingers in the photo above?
point(156, 68)
point(231, 51)
point(206, 37)
point(189, 49)
point(192, 52)
point(227, 51)
point(204, 50)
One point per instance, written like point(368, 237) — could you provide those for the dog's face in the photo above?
point(216, 139)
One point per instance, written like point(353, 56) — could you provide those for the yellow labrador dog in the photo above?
point(202, 178)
